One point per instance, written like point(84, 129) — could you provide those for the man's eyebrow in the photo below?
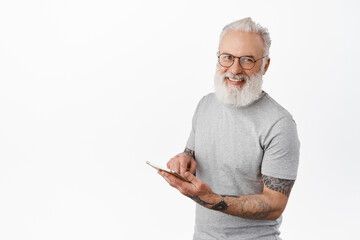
point(225, 53)
point(250, 56)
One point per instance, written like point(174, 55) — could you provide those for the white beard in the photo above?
point(236, 96)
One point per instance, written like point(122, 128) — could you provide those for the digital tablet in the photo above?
point(157, 167)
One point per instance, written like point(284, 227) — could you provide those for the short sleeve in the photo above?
point(281, 150)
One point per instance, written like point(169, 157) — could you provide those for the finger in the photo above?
point(182, 186)
point(189, 176)
point(163, 174)
point(172, 180)
point(183, 166)
point(170, 163)
point(174, 164)
point(192, 167)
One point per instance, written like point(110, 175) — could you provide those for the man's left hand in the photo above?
point(196, 189)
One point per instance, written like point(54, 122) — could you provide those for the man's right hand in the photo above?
point(183, 162)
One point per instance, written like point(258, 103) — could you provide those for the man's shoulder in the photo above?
point(208, 99)
point(266, 112)
point(272, 107)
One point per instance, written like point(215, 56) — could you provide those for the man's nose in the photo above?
point(236, 68)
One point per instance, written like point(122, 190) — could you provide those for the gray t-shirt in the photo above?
point(233, 148)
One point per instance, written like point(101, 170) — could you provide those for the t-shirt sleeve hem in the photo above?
point(277, 175)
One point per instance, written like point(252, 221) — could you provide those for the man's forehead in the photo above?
point(240, 43)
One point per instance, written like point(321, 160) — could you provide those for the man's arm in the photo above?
point(268, 205)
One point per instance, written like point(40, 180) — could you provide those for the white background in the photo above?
point(90, 90)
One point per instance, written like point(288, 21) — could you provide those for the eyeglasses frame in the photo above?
point(239, 60)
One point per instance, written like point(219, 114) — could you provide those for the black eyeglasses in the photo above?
point(246, 62)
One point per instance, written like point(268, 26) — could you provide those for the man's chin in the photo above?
point(238, 94)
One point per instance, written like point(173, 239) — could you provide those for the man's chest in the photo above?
point(228, 143)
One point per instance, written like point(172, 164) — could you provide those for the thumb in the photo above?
point(191, 177)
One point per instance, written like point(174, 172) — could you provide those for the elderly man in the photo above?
point(243, 145)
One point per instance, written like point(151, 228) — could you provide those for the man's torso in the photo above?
point(229, 145)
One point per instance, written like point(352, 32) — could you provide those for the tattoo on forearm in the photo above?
point(254, 207)
point(221, 206)
point(283, 186)
point(199, 201)
point(189, 152)
point(250, 206)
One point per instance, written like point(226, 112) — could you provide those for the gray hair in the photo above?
point(248, 25)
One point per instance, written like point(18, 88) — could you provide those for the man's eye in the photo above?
point(247, 60)
point(227, 57)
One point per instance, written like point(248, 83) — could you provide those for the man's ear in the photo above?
point(266, 65)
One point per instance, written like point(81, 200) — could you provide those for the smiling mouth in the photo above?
point(235, 80)
point(240, 82)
